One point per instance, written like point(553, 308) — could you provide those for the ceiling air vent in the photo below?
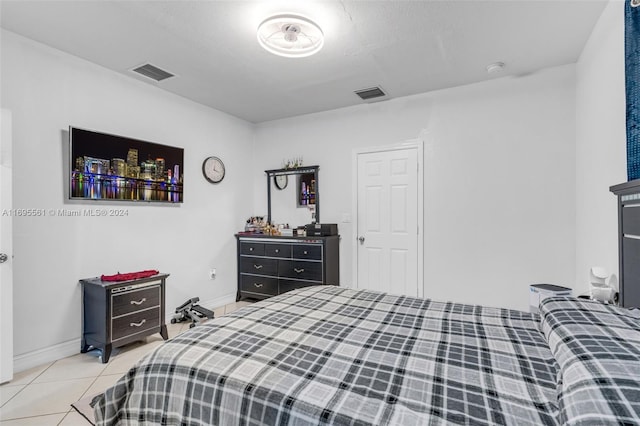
point(152, 72)
point(370, 93)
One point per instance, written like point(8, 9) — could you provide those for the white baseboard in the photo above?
point(219, 301)
point(45, 355)
point(62, 350)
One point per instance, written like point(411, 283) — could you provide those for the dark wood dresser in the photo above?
point(629, 242)
point(117, 313)
point(270, 265)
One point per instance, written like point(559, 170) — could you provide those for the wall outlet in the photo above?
point(212, 273)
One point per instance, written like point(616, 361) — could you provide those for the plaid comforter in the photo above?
point(330, 355)
point(597, 348)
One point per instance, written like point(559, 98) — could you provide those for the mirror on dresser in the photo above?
point(292, 196)
point(269, 265)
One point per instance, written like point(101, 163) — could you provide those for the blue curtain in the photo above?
point(632, 66)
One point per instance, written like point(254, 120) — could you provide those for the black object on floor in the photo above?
point(191, 311)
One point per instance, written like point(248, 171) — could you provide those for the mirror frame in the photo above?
point(296, 171)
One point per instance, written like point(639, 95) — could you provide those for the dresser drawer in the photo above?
point(631, 220)
point(258, 265)
point(253, 249)
point(262, 285)
point(134, 323)
point(288, 285)
point(278, 250)
point(300, 270)
point(307, 252)
point(270, 266)
point(136, 300)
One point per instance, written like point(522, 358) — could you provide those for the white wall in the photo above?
point(600, 143)
point(499, 179)
point(47, 91)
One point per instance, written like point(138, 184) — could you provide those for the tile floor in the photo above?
point(43, 395)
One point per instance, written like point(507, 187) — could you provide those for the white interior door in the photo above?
point(6, 273)
point(389, 212)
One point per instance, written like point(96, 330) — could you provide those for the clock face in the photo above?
point(281, 181)
point(213, 169)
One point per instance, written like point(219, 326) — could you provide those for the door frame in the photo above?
point(6, 246)
point(417, 144)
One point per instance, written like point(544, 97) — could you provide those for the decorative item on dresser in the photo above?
point(272, 265)
point(121, 312)
point(629, 242)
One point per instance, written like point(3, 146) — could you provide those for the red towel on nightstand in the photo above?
point(129, 275)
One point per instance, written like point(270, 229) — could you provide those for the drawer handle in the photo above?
point(140, 302)
point(298, 271)
point(257, 266)
point(250, 248)
point(258, 285)
point(139, 324)
point(305, 252)
point(277, 250)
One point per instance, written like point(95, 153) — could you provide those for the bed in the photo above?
point(337, 356)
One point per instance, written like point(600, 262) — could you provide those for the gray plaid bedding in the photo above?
point(598, 350)
point(336, 356)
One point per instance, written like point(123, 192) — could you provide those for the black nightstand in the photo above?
point(117, 313)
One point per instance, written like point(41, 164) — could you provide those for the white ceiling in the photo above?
point(405, 47)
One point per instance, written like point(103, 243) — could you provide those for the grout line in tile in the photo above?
point(95, 379)
point(65, 416)
point(28, 383)
point(55, 380)
point(42, 372)
point(33, 417)
point(71, 411)
point(16, 394)
point(55, 412)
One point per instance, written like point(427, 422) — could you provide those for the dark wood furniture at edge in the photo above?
point(117, 313)
point(629, 242)
point(271, 265)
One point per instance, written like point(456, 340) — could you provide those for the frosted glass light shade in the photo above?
point(291, 36)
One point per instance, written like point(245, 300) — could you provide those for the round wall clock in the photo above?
point(281, 181)
point(213, 169)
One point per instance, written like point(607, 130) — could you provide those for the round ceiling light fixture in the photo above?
point(290, 35)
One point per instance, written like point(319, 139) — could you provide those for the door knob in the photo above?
point(3, 257)
point(361, 239)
